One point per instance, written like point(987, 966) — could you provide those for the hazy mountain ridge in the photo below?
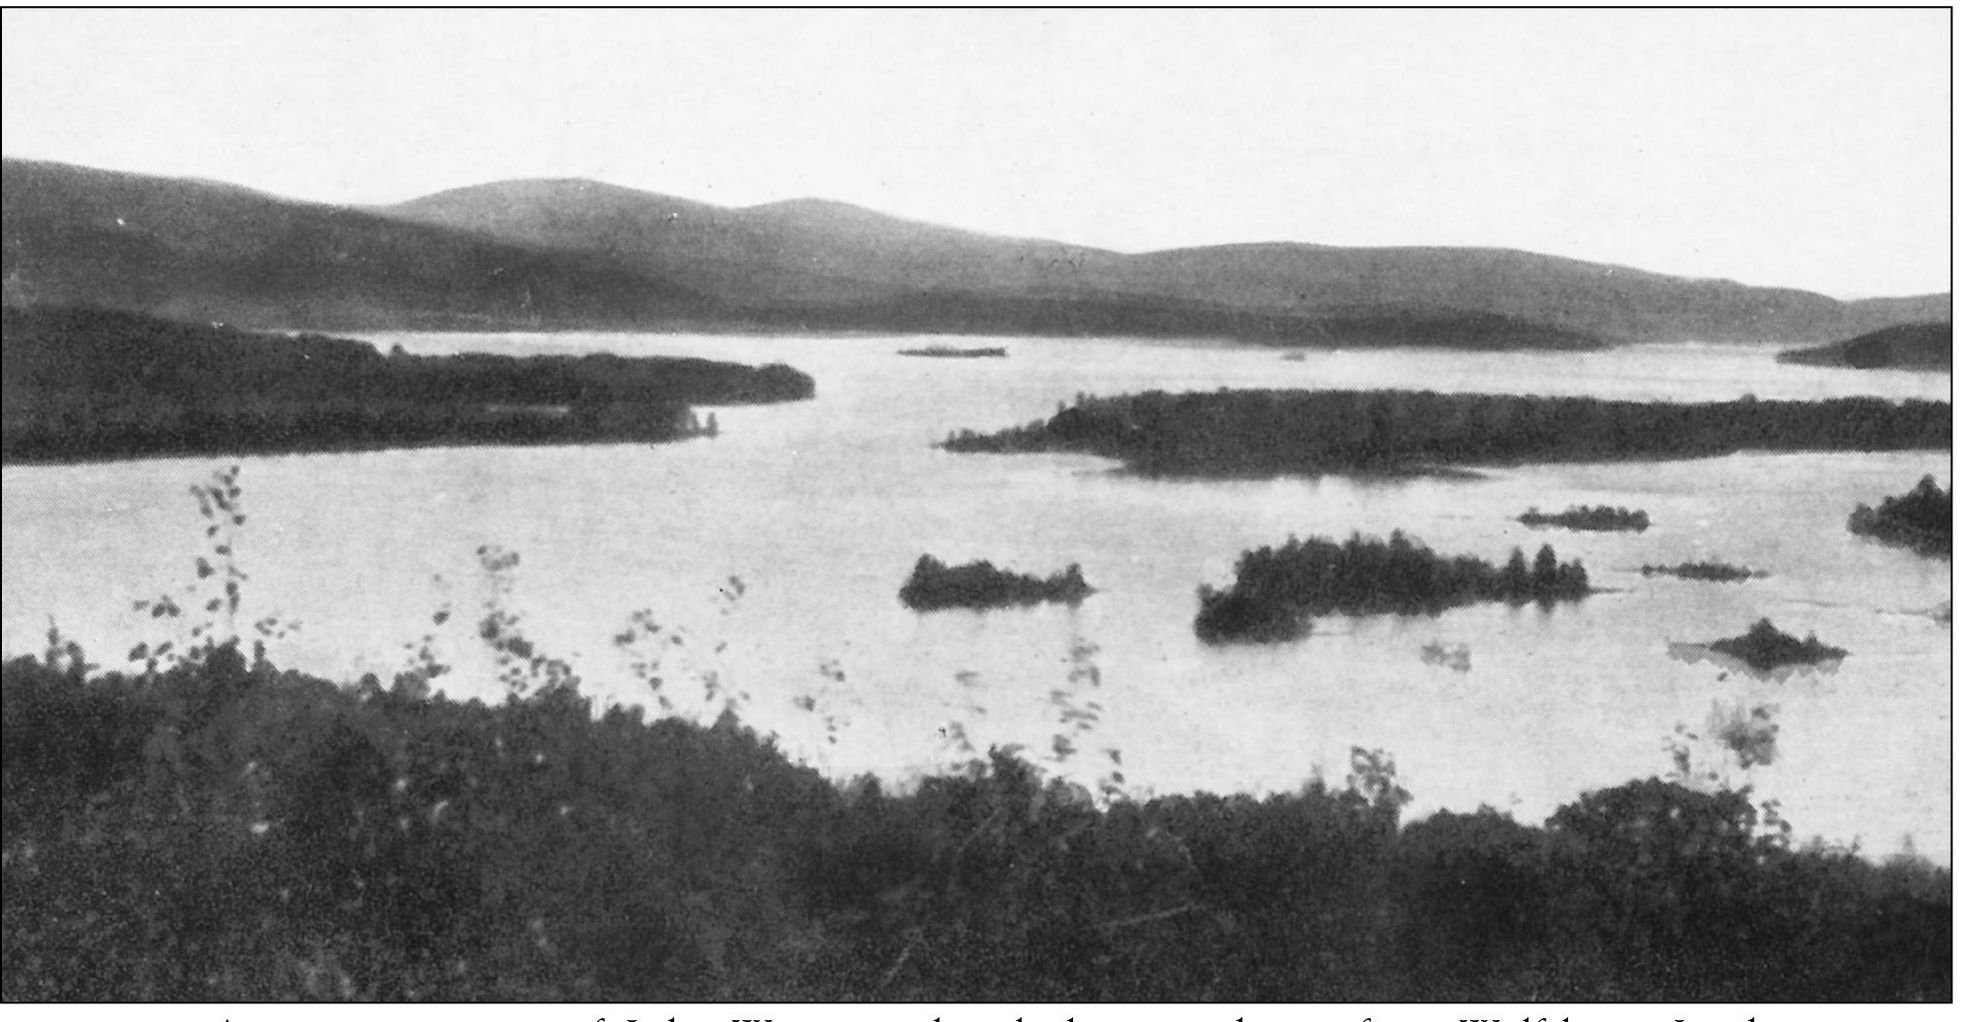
point(827, 245)
point(201, 251)
point(568, 252)
point(1616, 302)
point(1935, 308)
point(779, 253)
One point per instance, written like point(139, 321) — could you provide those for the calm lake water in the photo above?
point(819, 510)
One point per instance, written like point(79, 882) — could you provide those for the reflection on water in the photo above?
point(1701, 653)
point(1457, 657)
point(819, 510)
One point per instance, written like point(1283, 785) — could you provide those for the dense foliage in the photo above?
point(223, 830)
point(1703, 571)
point(1920, 519)
point(1271, 432)
point(935, 585)
point(1276, 590)
point(1765, 647)
point(89, 383)
point(1581, 518)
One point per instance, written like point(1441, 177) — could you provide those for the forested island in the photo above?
point(1765, 647)
point(223, 830)
point(1581, 518)
point(1920, 519)
point(1703, 571)
point(1276, 590)
point(84, 384)
point(935, 585)
point(945, 351)
point(1921, 346)
point(1264, 433)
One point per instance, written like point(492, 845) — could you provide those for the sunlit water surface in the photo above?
point(820, 509)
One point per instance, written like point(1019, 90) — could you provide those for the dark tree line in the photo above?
point(972, 314)
point(935, 585)
point(947, 351)
point(225, 831)
point(92, 383)
point(1703, 571)
point(1920, 519)
point(1601, 518)
point(1277, 589)
point(339, 426)
point(1270, 432)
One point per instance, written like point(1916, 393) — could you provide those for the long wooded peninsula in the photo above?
point(88, 384)
point(1256, 433)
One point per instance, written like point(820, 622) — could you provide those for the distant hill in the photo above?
point(814, 253)
point(564, 253)
point(1924, 346)
point(1913, 309)
point(1613, 302)
point(800, 252)
point(202, 251)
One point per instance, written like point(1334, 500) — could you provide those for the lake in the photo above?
point(819, 510)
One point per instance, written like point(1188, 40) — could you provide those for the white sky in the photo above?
point(1803, 148)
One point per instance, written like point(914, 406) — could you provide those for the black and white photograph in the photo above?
point(983, 513)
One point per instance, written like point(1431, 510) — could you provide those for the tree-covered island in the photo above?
point(1263, 433)
point(1920, 519)
point(1765, 647)
point(1703, 571)
point(935, 585)
point(85, 384)
point(1581, 518)
point(1277, 590)
point(948, 351)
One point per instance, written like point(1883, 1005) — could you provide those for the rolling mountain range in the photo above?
point(547, 254)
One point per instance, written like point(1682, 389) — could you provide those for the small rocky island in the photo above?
point(947, 351)
point(1920, 519)
point(1703, 571)
point(935, 585)
point(1582, 518)
point(1276, 591)
point(1765, 647)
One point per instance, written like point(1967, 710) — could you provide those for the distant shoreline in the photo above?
point(280, 451)
point(1910, 347)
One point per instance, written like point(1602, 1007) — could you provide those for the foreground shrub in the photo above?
point(222, 830)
